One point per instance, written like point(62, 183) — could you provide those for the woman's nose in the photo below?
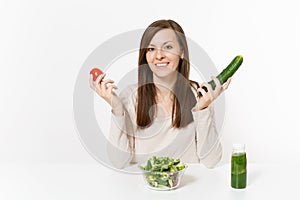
point(159, 54)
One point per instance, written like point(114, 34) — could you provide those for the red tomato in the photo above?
point(96, 72)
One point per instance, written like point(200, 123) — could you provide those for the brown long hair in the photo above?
point(184, 98)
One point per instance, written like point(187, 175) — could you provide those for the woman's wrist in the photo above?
point(117, 106)
point(201, 107)
point(118, 110)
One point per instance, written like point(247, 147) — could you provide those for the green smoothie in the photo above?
point(238, 170)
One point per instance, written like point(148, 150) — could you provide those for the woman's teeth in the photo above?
point(161, 64)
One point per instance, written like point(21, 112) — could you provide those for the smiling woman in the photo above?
point(164, 53)
point(162, 115)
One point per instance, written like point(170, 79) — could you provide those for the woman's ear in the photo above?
point(182, 55)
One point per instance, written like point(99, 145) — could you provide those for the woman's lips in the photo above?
point(161, 64)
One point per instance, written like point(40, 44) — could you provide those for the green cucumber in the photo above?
point(226, 73)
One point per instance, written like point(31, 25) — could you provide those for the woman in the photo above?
point(162, 115)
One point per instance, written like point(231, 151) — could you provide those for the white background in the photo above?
point(44, 43)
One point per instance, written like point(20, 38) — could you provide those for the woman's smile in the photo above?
point(161, 64)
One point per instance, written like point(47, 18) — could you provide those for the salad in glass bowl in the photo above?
point(163, 173)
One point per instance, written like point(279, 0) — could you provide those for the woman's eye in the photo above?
point(150, 49)
point(168, 47)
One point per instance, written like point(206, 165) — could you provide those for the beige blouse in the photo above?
point(198, 142)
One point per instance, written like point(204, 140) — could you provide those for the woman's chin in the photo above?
point(165, 74)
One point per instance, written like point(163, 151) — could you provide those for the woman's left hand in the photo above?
point(209, 96)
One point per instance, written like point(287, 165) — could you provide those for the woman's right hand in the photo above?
point(104, 88)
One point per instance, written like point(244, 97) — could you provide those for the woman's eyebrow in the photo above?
point(163, 43)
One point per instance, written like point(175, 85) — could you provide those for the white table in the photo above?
point(93, 181)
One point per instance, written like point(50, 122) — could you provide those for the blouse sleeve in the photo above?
point(120, 148)
point(209, 149)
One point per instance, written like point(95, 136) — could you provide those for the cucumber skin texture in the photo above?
point(226, 73)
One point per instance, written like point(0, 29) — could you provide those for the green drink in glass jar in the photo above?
point(238, 167)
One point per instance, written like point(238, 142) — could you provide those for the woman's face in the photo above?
point(163, 53)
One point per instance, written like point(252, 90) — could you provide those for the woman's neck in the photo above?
point(164, 86)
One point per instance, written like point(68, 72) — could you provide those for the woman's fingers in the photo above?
point(216, 80)
point(202, 91)
point(105, 84)
point(107, 81)
point(112, 87)
point(91, 81)
point(95, 84)
point(226, 84)
point(206, 93)
point(208, 88)
point(206, 98)
point(100, 85)
point(210, 94)
point(100, 78)
point(220, 88)
point(104, 88)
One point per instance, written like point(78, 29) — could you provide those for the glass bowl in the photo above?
point(163, 180)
